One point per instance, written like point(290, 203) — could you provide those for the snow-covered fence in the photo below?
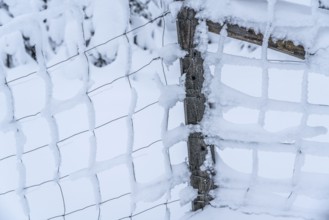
point(90, 128)
point(235, 115)
point(85, 127)
point(195, 103)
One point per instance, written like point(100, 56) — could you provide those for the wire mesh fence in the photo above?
point(83, 141)
point(264, 111)
point(84, 134)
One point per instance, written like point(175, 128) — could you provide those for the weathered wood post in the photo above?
point(192, 66)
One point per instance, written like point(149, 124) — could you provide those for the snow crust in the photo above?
point(170, 53)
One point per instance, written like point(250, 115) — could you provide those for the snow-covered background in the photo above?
point(92, 120)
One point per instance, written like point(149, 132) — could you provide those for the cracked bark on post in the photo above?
point(194, 104)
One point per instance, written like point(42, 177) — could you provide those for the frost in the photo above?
point(153, 191)
point(99, 167)
point(174, 8)
point(170, 95)
point(170, 53)
point(201, 37)
point(175, 135)
point(188, 194)
point(255, 133)
point(130, 144)
point(208, 164)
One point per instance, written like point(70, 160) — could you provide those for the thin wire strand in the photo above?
point(81, 132)
point(68, 175)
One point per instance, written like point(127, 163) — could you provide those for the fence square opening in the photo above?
point(245, 79)
point(29, 97)
point(276, 121)
point(242, 48)
point(45, 202)
point(285, 85)
point(149, 163)
point(39, 165)
point(276, 165)
point(78, 193)
point(237, 159)
point(114, 182)
point(67, 79)
point(7, 143)
point(8, 169)
point(36, 131)
point(146, 128)
point(11, 207)
point(316, 164)
point(318, 86)
point(242, 115)
point(178, 153)
point(69, 160)
point(117, 208)
point(112, 139)
point(72, 121)
point(111, 102)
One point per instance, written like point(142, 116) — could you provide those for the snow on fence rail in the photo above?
point(79, 141)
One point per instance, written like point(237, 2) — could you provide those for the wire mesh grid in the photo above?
point(48, 188)
point(84, 138)
point(262, 109)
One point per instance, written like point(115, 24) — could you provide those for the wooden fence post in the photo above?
point(194, 104)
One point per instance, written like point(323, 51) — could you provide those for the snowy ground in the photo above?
point(225, 213)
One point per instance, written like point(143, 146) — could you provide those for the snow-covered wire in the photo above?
point(94, 47)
